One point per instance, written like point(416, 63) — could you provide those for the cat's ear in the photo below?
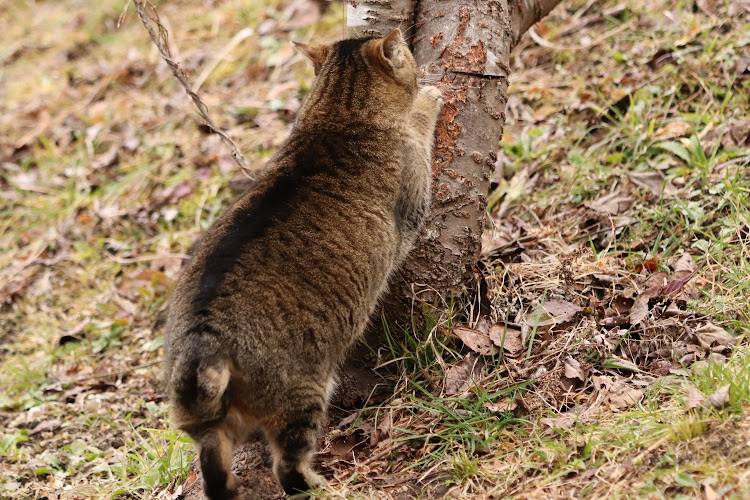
point(389, 49)
point(316, 53)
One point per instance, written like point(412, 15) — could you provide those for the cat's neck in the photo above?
point(332, 111)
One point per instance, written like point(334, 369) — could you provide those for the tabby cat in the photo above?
point(285, 281)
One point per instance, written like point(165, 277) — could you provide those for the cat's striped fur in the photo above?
point(285, 281)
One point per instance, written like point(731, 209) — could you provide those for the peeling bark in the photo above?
point(465, 44)
point(379, 17)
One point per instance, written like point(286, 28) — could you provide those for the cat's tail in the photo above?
point(199, 388)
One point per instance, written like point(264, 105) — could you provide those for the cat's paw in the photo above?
point(315, 480)
point(432, 92)
point(299, 480)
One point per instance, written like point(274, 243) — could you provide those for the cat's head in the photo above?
point(383, 63)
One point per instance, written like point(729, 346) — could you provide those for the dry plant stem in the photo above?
point(394, 445)
point(162, 43)
point(550, 45)
point(234, 42)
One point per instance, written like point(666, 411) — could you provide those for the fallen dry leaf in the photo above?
point(501, 405)
point(656, 280)
point(382, 431)
point(572, 369)
point(615, 321)
point(674, 310)
point(719, 399)
point(612, 203)
point(554, 312)
point(660, 57)
point(348, 420)
point(695, 398)
point(507, 338)
point(654, 181)
point(673, 130)
point(561, 310)
point(476, 340)
point(622, 395)
point(558, 422)
point(710, 335)
point(46, 425)
point(674, 286)
point(710, 492)
point(690, 34)
point(616, 393)
point(342, 447)
point(738, 134)
point(622, 305)
point(743, 65)
point(191, 478)
point(106, 159)
point(684, 264)
point(639, 311)
point(461, 376)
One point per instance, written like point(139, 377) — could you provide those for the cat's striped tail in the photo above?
point(199, 389)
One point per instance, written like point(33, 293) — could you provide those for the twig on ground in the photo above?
point(117, 373)
point(382, 453)
point(162, 43)
point(554, 46)
point(146, 258)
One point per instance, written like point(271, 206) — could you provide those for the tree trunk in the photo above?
point(464, 45)
point(378, 17)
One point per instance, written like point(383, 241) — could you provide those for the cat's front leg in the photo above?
point(427, 106)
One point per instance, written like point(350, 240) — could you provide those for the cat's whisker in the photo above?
point(406, 30)
point(409, 38)
point(344, 12)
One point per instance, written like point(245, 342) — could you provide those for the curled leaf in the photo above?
point(462, 376)
point(476, 340)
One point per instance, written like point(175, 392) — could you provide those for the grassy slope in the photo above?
point(95, 239)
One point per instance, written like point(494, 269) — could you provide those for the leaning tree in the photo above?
point(464, 46)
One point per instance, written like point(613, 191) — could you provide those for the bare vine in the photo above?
point(160, 36)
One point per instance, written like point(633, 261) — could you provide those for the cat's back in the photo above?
point(315, 234)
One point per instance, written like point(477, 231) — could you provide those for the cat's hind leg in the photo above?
point(219, 483)
point(293, 443)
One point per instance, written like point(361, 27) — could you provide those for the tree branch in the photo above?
point(526, 13)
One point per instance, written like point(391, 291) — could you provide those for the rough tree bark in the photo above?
point(378, 17)
point(465, 45)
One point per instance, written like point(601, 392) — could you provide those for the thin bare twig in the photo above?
point(162, 43)
point(118, 373)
